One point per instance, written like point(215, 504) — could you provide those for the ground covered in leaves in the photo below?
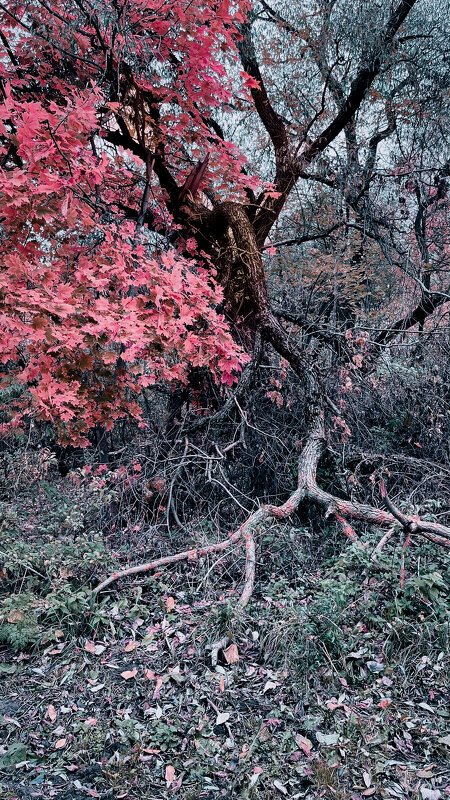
point(334, 682)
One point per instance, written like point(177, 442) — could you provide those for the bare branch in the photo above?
point(307, 489)
point(363, 80)
point(271, 120)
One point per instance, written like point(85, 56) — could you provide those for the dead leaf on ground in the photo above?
point(60, 743)
point(231, 654)
point(170, 774)
point(430, 794)
point(223, 717)
point(129, 673)
point(170, 604)
point(305, 744)
point(367, 779)
point(95, 649)
point(15, 616)
point(131, 646)
point(269, 685)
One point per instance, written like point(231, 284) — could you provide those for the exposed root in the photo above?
point(307, 489)
point(185, 555)
point(439, 534)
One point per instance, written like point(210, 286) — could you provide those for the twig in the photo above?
point(346, 527)
point(384, 539)
point(250, 568)
point(402, 565)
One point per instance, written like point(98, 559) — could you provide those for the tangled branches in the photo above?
point(308, 490)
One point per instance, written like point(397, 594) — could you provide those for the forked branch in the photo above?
point(307, 489)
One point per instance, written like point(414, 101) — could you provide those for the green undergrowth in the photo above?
point(354, 614)
point(46, 582)
point(335, 665)
point(346, 610)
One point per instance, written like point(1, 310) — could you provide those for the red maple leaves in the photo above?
point(93, 307)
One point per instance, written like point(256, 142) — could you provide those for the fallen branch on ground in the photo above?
point(307, 489)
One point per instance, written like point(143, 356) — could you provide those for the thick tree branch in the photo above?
point(271, 120)
point(307, 490)
point(427, 304)
point(121, 137)
point(359, 88)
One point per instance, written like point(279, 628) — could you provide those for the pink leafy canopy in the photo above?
point(93, 308)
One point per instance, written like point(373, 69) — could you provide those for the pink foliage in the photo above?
point(92, 308)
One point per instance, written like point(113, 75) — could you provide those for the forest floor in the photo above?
point(335, 683)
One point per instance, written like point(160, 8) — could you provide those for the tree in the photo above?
point(94, 309)
point(127, 205)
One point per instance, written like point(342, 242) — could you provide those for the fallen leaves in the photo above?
point(327, 739)
point(222, 718)
point(304, 743)
point(107, 688)
point(367, 779)
point(95, 649)
point(170, 775)
point(128, 674)
point(430, 794)
point(131, 646)
point(60, 744)
point(170, 604)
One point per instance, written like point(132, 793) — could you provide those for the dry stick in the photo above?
point(170, 501)
point(402, 566)
point(384, 539)
point(250, 568)
point(346, 528)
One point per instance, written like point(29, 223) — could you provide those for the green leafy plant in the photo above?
point(46, 582)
